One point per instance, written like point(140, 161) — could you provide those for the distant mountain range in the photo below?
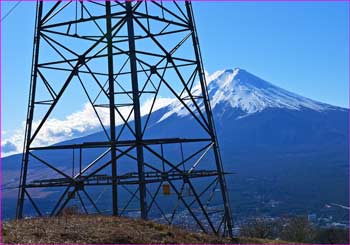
point(289, 153)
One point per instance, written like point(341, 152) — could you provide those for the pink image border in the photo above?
point(1, 95)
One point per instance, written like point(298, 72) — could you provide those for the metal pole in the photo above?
point(30, 114)
point(112, 108)
point(137, 113)
point(217, 156)
point(80, 159)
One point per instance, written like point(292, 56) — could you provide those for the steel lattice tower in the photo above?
point(119, 55)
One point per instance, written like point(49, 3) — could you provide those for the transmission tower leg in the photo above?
point(112, 108)
point(137, 112)
point(30, 113)
point(221, 177)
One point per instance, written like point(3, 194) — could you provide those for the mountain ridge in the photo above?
point(244, 91)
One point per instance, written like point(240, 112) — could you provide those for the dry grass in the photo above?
point(96, 229)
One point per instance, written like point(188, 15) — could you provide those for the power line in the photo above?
point(10, 11)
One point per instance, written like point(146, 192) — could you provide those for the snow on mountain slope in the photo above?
point(243, 90)
point(237, 88)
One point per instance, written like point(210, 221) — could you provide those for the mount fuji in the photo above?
point(289, 153)
point(241, 91)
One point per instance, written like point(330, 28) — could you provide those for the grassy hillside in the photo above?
point(103, 229)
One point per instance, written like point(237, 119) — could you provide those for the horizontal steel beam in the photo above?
point(125, 179)
point(121, 143)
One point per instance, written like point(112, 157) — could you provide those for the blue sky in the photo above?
point(300, 46)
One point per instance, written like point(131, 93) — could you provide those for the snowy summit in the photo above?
point(243, 90)
point(240, 90)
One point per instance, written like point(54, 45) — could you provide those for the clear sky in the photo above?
point(299, 46)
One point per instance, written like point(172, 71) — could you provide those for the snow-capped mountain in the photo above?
point(292, 149)
point(237, 89)
point(240, 89)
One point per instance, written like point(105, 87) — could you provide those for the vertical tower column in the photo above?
point(200, 68)
point(111, 107)
point(137, 112)
point(30, 112)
